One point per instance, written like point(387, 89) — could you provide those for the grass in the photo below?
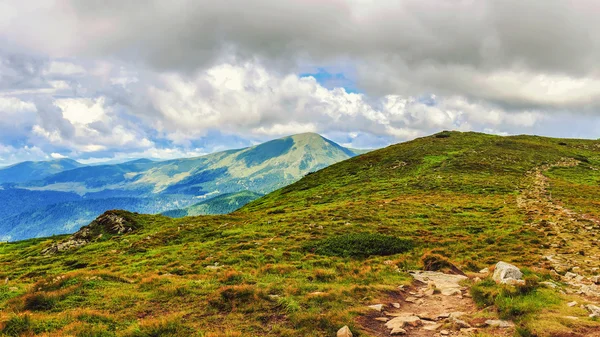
point(250, 273)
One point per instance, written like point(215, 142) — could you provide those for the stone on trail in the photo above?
point(507, 273)
point(376, 307)
point(447, 284)
point(496, 323)
point(572, 304)
point(344, 332)
point(402, 321)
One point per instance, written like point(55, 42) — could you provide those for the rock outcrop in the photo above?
point(110, 223)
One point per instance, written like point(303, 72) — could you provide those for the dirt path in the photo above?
point(436, 305)
point(570, 239)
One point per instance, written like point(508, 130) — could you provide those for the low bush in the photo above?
point(17, 326)
point(360, 245)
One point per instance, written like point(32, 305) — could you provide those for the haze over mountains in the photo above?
point(46, 198)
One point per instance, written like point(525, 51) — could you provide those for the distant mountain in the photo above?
point(223, 204)
point(153, 187)
point(35, 170)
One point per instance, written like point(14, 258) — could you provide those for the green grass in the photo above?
point(250, 273)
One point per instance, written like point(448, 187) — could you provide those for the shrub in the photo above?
point(436, 262)
point(39, 302)
point(17, 326)
point(360, 245)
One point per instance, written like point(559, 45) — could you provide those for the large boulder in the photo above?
point(507, 273)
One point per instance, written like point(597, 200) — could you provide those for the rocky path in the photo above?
point(437, 305)
point(570, 239)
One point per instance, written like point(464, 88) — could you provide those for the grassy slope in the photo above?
point(223, 204)
point(216, 275)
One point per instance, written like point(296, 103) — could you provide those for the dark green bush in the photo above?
point(17, 326)
point(360, 245)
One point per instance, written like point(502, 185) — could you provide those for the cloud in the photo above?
point(95, 80)
point(515, 53)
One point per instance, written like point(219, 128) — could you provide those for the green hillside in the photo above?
point(223, 204)
point(310, 257)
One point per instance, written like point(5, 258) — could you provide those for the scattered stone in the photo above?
point(549, 284)
point(427, 316)
point(396, 305)
point(451, 292)
point(447, 284)
point(572, 304)
point(506, 273)
point(484, 271)
point(397, 332)
point(444, 332)
point(569, 276)
point(571, 317)
point(443, 316)
point(432, 327)
point(594, 310)
point(402, 321)
point(461, 324)
point(410, 299)
point(344, 332)
point(496, 323)
point(382, 319)
point(376, 307)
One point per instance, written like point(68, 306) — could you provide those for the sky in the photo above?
point(112, 80)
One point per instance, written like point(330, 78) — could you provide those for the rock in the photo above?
point(111, 222)
point(376, 307)
point(432, 327)
point(484, 271)
point(594, 310)
point(443, 316)
point(382, 319)
point(402, 321)
point(549, 284)
point(410, 299)
point(444, 332)
point(569, 276)
point(447, 284)
point(496, 323)
point(451, 292)
point(13, 288)
point(506, 273)
point(427, 316)
point(398, 332)
point(344, 332)
point(461, 324)
point(396, 305)
point(595, 279)
point(572, 304)
point(571, 318)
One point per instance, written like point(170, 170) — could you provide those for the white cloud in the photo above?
point(81, 110)
point(55, 155)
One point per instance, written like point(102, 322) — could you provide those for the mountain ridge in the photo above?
point(143, 185)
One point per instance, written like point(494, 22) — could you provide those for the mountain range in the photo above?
point(56, 197)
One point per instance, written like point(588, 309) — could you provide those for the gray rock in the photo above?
point(344, 332)
point(506, 273)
